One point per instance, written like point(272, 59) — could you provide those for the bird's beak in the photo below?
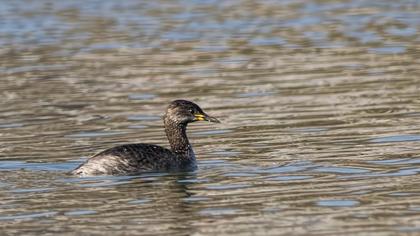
point(200, 117)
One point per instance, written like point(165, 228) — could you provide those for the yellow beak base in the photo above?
point(199, 117)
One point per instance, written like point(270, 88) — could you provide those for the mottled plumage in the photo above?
point(136, 158)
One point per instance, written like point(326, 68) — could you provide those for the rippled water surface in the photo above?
point(319, 103)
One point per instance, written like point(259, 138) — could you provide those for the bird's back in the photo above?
point(132, 159)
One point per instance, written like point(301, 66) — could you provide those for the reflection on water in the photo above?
point(319, 103)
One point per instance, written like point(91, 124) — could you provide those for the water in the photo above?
point(319, 103)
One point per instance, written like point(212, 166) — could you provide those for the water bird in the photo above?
point(131, 159)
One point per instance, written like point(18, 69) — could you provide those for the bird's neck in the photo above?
point(177, 137)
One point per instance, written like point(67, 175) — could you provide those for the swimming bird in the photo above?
point(131, 159)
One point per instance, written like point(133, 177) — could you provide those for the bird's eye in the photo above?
point(191, 111)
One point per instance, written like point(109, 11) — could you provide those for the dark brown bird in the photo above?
point(136, 158)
